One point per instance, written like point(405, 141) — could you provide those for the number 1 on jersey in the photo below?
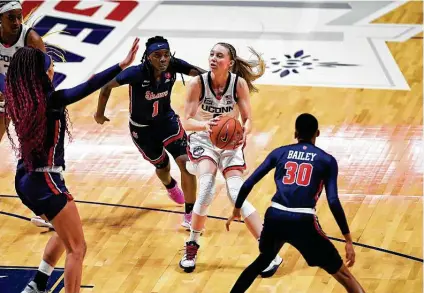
point(155, 108)
point(301, 174)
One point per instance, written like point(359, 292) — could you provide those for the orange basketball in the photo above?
point(227, 133)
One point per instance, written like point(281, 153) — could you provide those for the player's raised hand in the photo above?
point(131, 55)
point(350, 254)
point(235, 216)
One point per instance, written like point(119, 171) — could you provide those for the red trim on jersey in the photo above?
point(231, 168)
point(156, 161)
point(69, 196)
point(318, 228)
point(51, 184)
point(175, 137)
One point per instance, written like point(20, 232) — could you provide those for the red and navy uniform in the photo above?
point(302, 170)
point(153, 123)
point(45, 193)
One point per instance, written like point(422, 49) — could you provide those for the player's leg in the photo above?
point(232, 165)
point(207, 172)
point(271, 241)
point(175, 142)
point(46, 194)
point(345, 277)
point(151, 148)
point(323, 253)
point(52, 253)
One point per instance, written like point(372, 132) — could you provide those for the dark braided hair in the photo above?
point(27, 89)
point(244, 68)
point(148, 68)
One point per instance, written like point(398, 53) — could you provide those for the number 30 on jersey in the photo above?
point(299, 173)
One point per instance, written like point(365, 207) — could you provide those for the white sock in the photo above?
point(194, 235)
point(45, 268)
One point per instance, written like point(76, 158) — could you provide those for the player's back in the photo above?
point(301, 172)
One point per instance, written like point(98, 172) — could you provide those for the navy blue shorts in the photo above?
point(153, 140)
point(42, 192)
point(304, 233)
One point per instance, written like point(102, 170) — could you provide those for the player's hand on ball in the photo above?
point(350, 254)
point(235, 216)
point(209, 124)
point(131, 55)
point(242, 141)
point(100, 119)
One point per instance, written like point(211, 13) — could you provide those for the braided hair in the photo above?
point(244, 68)
point(27, 89)
point(148, 68)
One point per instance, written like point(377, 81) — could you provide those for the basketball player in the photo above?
point(302, 170)
point(14, 35)
point(154, 126)
point(40, 119)
point(224, 90)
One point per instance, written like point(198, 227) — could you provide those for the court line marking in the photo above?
point(212, 217)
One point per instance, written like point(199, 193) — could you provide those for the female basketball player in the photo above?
point(14, 35)
point(40, 118)
point(225, 89)
point(153, 124)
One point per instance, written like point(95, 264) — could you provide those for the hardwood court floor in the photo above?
point(375, 135)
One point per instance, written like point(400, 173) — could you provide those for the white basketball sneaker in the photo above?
point(32, 288)
point(272, 268)
point(188, 262)
point(40, 222)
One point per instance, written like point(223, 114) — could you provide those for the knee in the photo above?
point(206, 192)
point(181, 162)
point(165, 168)
point(78, 250)
point(234, 184)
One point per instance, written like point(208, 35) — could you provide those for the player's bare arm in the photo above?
point(104, 95)
point(35, 41)
point(196, 71)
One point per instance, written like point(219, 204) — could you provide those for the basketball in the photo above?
point(227, 133)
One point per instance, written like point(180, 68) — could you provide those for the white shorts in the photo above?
point(200, 147)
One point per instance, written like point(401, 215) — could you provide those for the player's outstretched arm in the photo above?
point(104, 95)
point(35, 41)
point(66, 97)
point(187, 68)
point(337, 210)
point(267, 165)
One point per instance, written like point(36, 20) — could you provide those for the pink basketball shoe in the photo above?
point(176, 194)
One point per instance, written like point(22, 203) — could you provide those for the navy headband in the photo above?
point(47, 62)
point(156, 47)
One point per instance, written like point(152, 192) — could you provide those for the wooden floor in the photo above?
point(375, 135)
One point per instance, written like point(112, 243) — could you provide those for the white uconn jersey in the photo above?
point(6, 53)
point(211, 105)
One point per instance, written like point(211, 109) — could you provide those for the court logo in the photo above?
point(299, 62)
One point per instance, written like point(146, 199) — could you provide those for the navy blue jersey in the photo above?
point(301, 172)
point(57, 101)
point(150, 101)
